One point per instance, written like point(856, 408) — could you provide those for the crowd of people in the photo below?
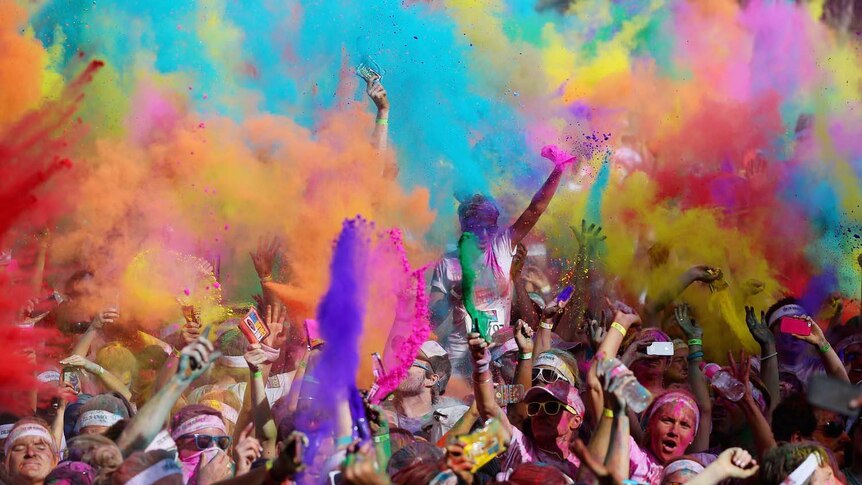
point(525, 381)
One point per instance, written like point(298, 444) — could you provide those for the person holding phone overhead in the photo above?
point(801, 347)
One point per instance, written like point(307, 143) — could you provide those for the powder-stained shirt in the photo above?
point(523, 450)
point(493, 288)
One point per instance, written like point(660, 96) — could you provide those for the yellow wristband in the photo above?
point(620, 328)
point(383, 122)
point(608, 413)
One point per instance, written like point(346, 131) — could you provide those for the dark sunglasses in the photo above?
point(79, 327)
point(548, 376)
point(833, 429)
point(551, 408)
point(205, 441)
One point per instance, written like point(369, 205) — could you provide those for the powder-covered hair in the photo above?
point(97, 451)
point(138, 462)
point(780, 461)
point(118, 359)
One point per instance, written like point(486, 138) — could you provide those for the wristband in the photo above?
point(695, 341)
point(769, 356)
point(485, 381)
point(383, 121)
point(619, 328)
point(481, 368)
point(258, 373)
point(344, 441)
point(608, 413)
point(527, 356)
point(695, 355)
point(825, 348)
point(266, 279)
point(381, 439)
point(547, 325)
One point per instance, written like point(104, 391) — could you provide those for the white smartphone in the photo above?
point(663, 349)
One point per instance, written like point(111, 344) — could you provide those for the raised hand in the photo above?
point(289, 462)
point(255, 357)
point(246, 450)
point(588, 237)
point(705, 274)
point(758, 328)
point(377, 93)
point(741, 371)
point(736, 463)
point(816, 337)
point(275, 318)
point(524, 337)
point(682, 313)
point(196, 358)
point(105, 317)
point(81, 363)
point(479, 349)
point(597, 332)
point(264, 257)
point(459, 462)
point(557, 155)
point(623, 314)
point(360, 467)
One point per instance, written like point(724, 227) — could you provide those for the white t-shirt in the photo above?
point(493, 287)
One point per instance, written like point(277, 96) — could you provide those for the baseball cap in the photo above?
point(561, 391)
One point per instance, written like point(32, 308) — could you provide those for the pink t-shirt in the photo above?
point(645, 468)
point(523, 450)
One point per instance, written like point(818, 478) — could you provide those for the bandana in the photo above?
point(156, 472)
point(672, 397)
point(680, 465)
point(29, 429)
point(96, 417)
point(786, 311)
point(198, 423)
point(550, 360)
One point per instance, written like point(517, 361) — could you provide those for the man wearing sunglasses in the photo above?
point(417, 404)
point(202, 440)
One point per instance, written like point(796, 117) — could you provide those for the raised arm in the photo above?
point(264, 424)
point(696, 379)
point(655, 305)
point(110, 381)
point(609, 348)
point(264, 258)
point(543, 197)
point(105, 317)
point(194, 361)
point(768, 356)
point(588, 239)
point(377, 93)
point(763, 438)
point(831, 362)
point(483, 383)
point(524, 370)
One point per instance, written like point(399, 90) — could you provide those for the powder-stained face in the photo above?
point(30, 459)
point(671, 430)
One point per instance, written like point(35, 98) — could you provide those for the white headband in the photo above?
point(550, 360)
point(5, 430)
point(162, 441)
point(786, 310)
point(680, 465)
point(156, 472)
point(232, 361)
point(227, 412)
point(29, 429)
point(96, 417)
point(48, 376)
point(198, 423)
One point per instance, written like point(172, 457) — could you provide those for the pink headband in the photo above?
point(680, 465)
point(29, 429)
point(198, 423)
point(673, 397)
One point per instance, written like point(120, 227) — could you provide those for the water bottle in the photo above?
point(722, 380)
point(636, 396)
point(377, 370)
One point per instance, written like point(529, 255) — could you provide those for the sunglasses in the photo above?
point(205, 441)
point(550, 408)
point(422, 365)
point(548, 376)
point(832, 429)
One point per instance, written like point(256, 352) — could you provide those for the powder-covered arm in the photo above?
point(537, 207)
point(149, 421)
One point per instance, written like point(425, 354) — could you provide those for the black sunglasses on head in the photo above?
point(833, 429)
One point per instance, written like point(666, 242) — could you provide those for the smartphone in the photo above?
point(832, 394)
point(664, 349)
point(369, 70)
point(794, 325)
point(506, 394)
point(254, 329)
point(335, 477)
